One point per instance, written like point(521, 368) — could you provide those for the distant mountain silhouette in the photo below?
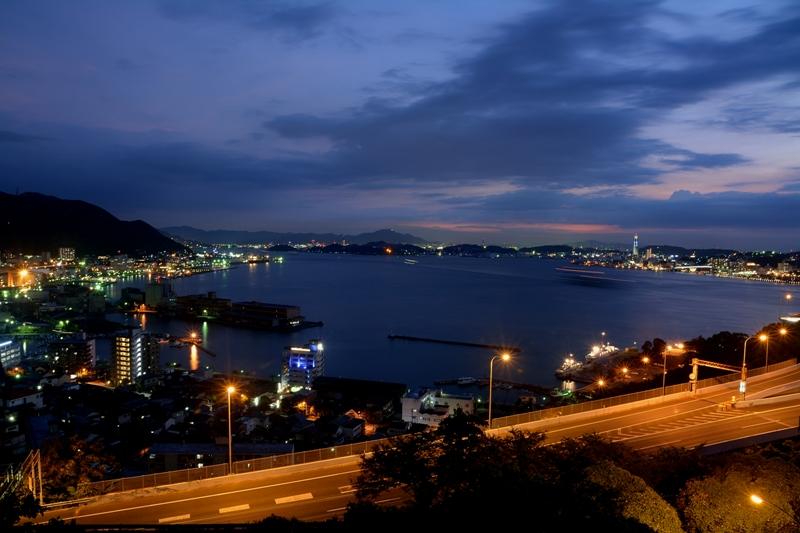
point(33, 223)
point(255, 237)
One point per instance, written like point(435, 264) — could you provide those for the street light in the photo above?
point(231, 389)
point(782, 332)
point(743, 383)
point(664, 375)
point(758, 500)
point(504, 357)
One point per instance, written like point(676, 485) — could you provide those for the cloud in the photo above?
point(683, 210)
point(567, 97)
point(558, 98)
point(296, 20)
point(14, 137)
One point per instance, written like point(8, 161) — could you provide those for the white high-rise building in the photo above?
point(10, 354)
point(66, 254)
point(126, 357)
point(635, 245)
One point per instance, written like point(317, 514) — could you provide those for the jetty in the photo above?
point(497, 347)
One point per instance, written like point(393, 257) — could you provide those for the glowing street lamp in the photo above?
point(505, 357)
point(231, 389)
point(781, 332)
point(758, 501)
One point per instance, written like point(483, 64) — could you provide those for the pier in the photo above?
point(497, 347)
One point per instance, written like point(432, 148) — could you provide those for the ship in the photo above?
point(572, 368)
point(601, 350)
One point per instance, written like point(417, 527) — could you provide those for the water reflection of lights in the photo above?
point(194, 358)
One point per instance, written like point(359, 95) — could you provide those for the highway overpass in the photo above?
point(322, 489)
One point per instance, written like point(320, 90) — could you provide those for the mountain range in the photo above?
point(219, 236)
point(33, 223)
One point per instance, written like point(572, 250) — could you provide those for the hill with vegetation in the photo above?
point(33, 223)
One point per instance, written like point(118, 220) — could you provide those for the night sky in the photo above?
point(505, 121)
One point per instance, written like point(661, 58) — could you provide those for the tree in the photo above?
point(17, 504)
point(721, 501)
point(67, 465)
point(659, 345)
point(631, 498)
point(455, 474)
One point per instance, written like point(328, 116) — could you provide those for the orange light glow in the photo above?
point(194, 358)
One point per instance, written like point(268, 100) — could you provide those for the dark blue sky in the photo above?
point(527, 122)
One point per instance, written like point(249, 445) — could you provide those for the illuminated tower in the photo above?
point(635, 245)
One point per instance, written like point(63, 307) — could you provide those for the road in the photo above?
point(310, 494)
point(689, 422)
point(321, 490)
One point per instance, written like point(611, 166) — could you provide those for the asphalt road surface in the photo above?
point(321, 490)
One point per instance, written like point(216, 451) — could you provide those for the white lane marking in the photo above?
point(347, 489)
point(765, 423)
point(744, 414)
point(295, 498)
point(243, 507)
point(387, 500)
point(173, 518)
point(337, 510)
point(659, 445)
point(702, 399)
point(239, 491)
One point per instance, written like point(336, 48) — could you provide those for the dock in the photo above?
point(497, 347)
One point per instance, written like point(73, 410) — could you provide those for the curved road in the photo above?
point(321, 490)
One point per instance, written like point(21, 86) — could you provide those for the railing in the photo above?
point(553, 412)
point(221, 470)
point(296, 458)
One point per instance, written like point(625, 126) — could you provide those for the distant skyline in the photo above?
point(528, 122)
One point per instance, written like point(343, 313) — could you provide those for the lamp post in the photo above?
point(782, 332)
point(758, 500)
point(231, 389)
point(743, 383)
point(664, 375)
point(504, 357)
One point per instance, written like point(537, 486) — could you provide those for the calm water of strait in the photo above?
point(519, 301)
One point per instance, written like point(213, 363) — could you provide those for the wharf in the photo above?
point(497, 347)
